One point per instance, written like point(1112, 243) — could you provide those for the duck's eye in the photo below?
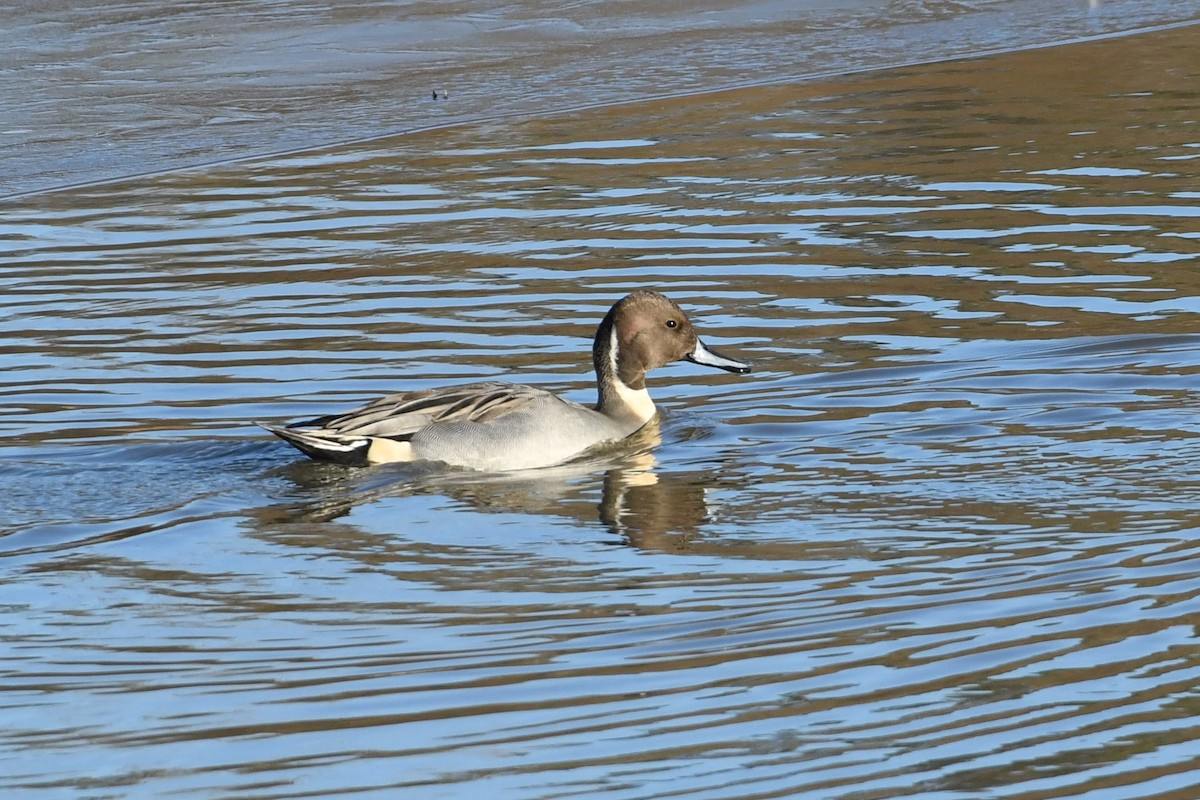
point(672, 323)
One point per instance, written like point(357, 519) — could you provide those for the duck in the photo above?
point(499, 427)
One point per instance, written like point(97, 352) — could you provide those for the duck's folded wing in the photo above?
point(399, 416)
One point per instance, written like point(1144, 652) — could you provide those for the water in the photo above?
point(105, 91)
point(940, 544)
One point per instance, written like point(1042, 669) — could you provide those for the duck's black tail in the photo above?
point(324, 446)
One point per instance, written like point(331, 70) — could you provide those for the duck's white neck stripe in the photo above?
point(636, 400)
point(612, 354)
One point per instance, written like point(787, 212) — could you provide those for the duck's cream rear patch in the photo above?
point(384, 451)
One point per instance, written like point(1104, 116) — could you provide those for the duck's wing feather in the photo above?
point(399, 416)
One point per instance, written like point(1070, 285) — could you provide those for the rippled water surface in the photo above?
point(942, 543)
point(96, 91)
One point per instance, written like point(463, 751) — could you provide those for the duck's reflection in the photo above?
point(652, 511)
point(618, 487)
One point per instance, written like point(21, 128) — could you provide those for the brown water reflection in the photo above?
point(941, 543)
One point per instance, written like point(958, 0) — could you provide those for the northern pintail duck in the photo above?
point(502, 426)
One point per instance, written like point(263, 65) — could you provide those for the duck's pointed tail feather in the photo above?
point(324, 446)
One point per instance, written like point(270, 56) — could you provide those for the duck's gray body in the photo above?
point(503, 426)
point(486, 426)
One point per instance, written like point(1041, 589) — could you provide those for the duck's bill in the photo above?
point(711, 358)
